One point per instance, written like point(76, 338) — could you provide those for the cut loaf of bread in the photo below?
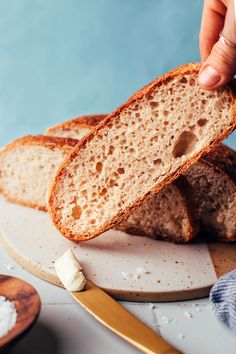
point(168, 215)
point(28, 165)
point(75, 128)
point(137, 150)
point(213, 181)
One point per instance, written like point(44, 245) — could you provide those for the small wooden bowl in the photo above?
point(27, 303)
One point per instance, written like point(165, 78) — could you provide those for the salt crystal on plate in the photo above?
point(181, 336)
point(198, 309)
point(125, 275)
point(9, 266)
point(141, 270)
point(165, 319)
point(151, 306)
point(188, 314)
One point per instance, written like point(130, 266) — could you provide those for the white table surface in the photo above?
point(64, 327)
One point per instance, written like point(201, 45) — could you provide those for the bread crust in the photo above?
point(87, 121)
point(188, 69)
point(51, 143)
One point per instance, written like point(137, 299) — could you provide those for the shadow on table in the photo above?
point(40, 339)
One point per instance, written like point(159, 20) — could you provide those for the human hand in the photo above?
point(218, 52)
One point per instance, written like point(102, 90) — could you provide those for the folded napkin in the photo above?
point(223, 299)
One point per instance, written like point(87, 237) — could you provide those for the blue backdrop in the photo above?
point(63, 58)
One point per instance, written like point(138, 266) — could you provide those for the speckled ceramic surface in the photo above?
point(115, 261)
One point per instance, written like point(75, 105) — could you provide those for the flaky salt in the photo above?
point(8, 316)
point(188, 314)
point(181, 336)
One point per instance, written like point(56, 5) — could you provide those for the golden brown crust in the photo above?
point(49, 141)
point(86, 121)
point(188, 69)
point(22, 202)
point(35, 140)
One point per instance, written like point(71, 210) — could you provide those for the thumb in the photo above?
point(220, 66)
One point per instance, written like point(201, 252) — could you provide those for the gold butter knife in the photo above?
point(115, 317)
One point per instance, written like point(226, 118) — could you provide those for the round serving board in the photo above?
point(128, 267)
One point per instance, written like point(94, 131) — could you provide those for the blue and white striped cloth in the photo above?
point(223, 299)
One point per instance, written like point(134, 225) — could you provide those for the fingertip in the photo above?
point(209, 78)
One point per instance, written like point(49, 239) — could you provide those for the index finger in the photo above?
point(212, 23)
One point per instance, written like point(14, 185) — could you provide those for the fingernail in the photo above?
point(209, 77)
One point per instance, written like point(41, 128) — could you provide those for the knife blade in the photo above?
point(119, 320)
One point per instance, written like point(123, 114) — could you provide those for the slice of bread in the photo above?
point(215, 213)
point(137, 150)
point(167, 216)
point(75, 128)
point(213, 181)
point(28, 165)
